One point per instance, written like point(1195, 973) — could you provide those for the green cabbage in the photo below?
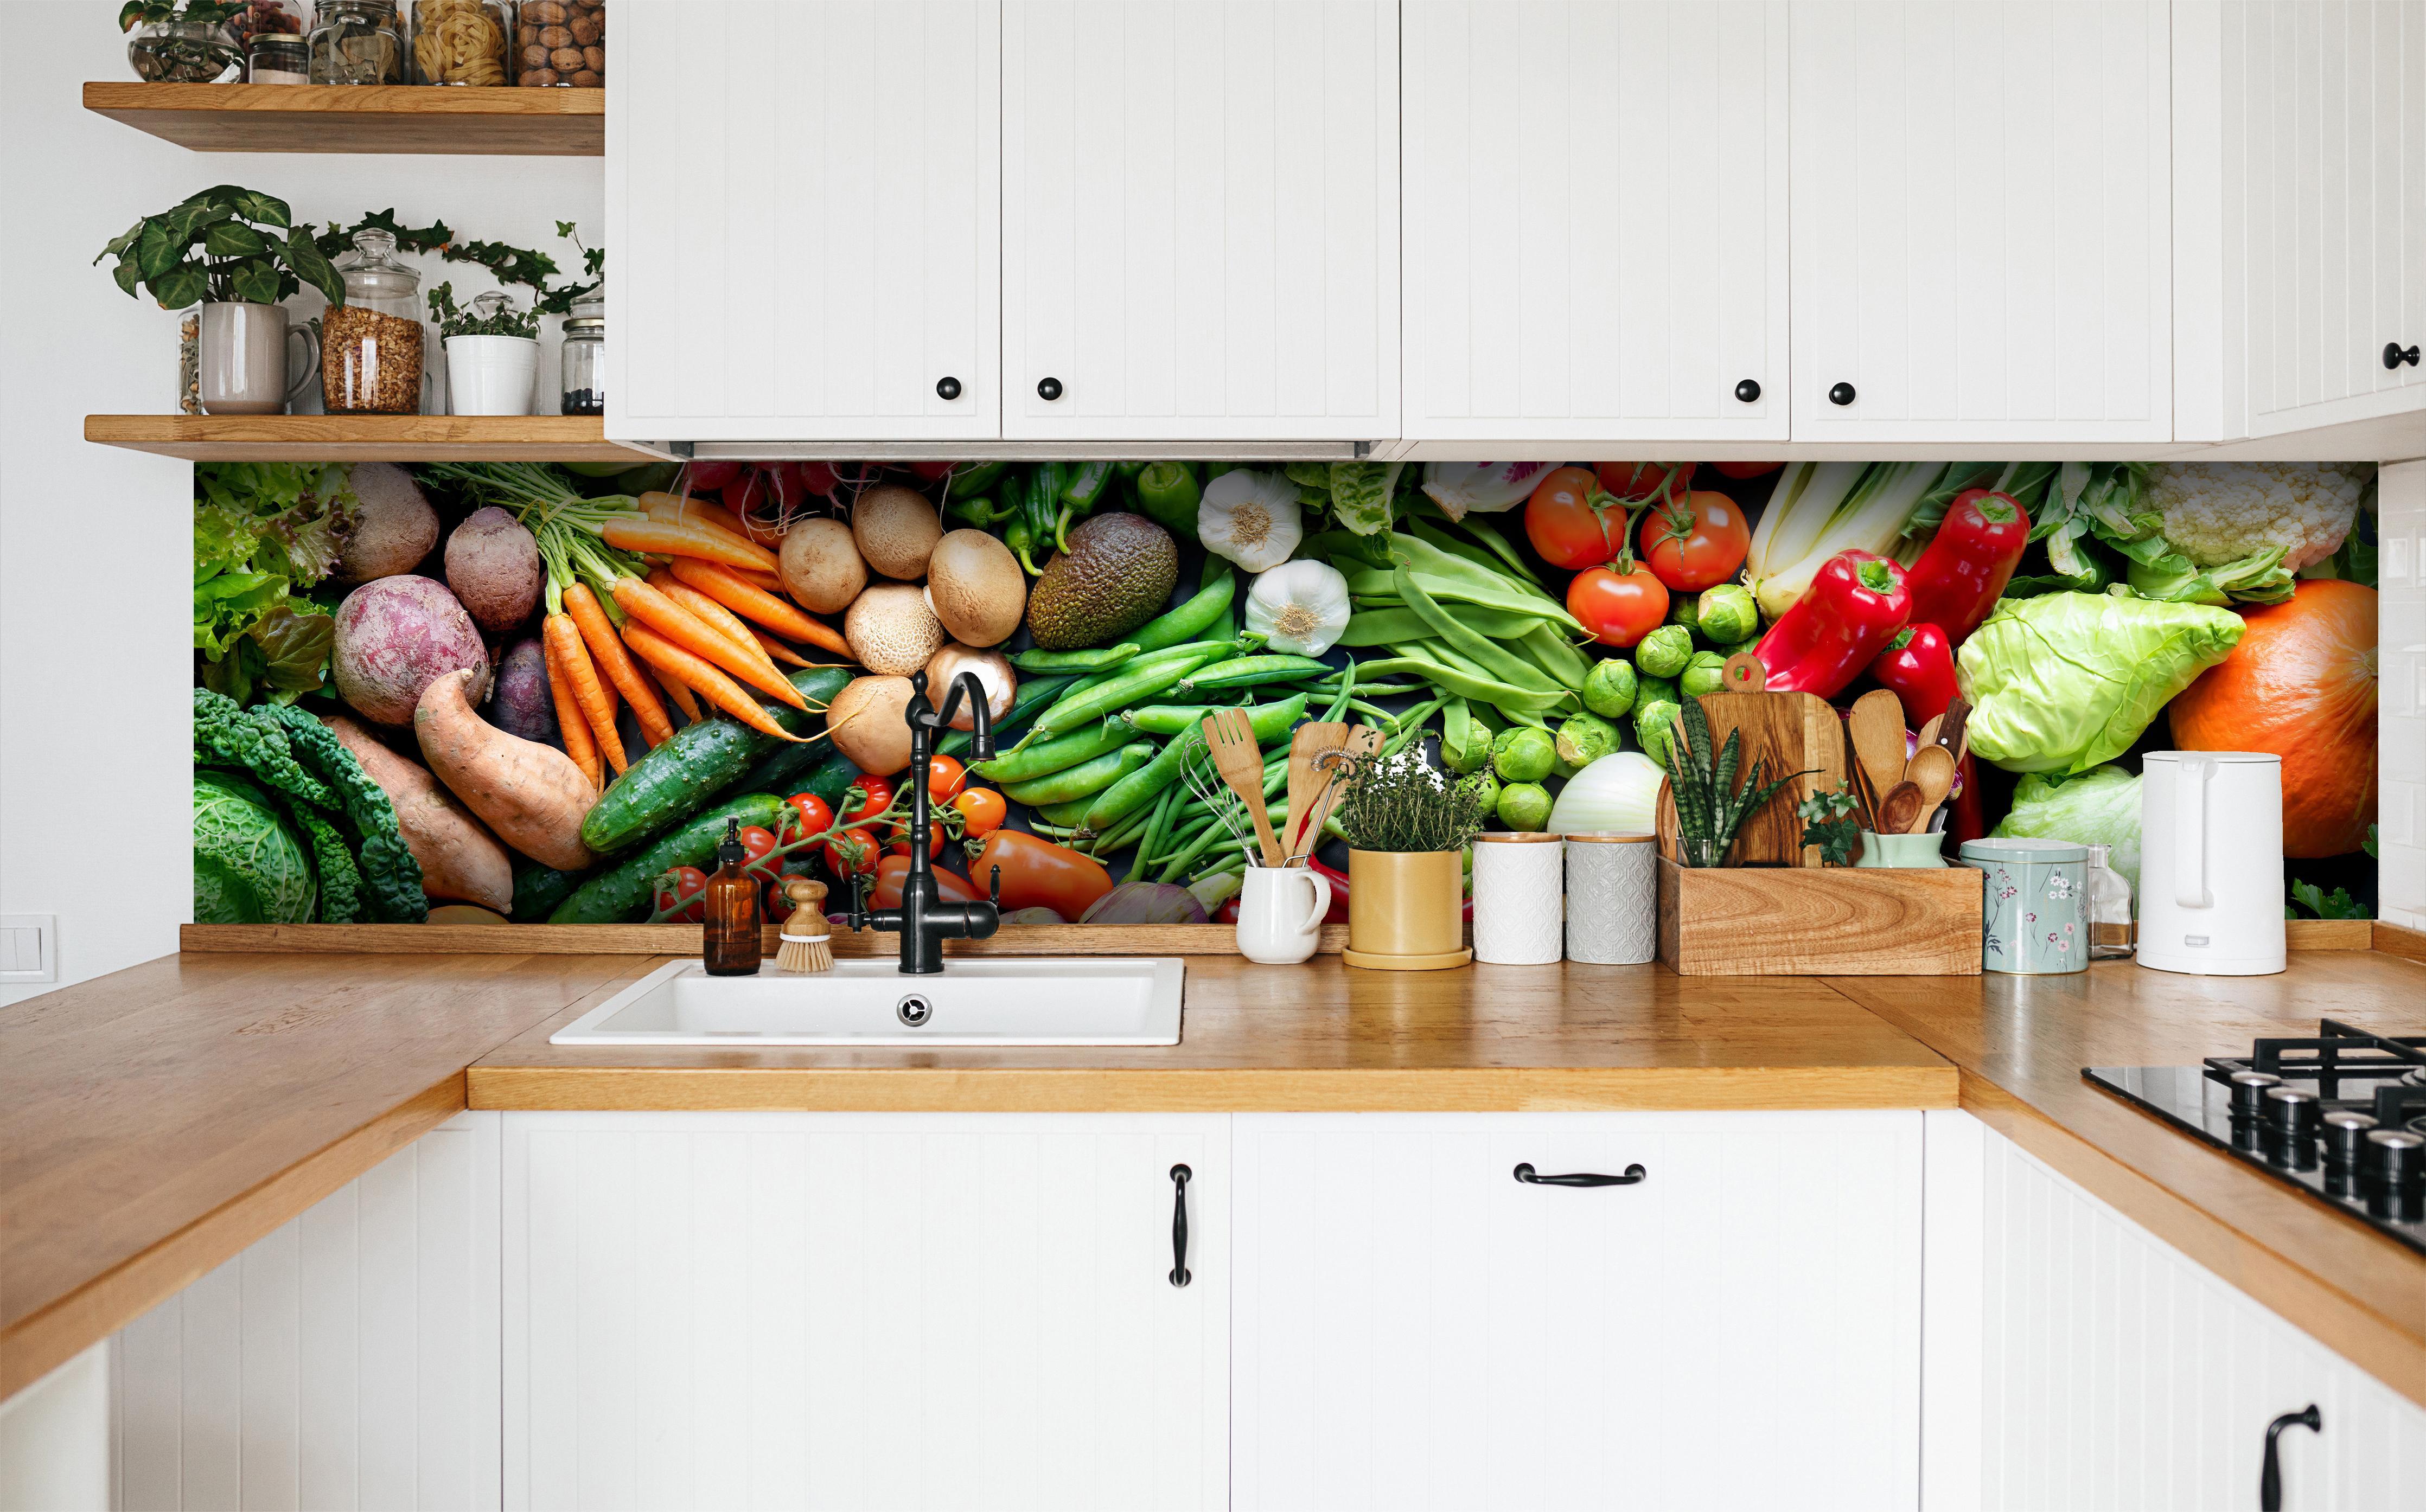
point(237, 828)
point(2100, 807)
point(2068, 680)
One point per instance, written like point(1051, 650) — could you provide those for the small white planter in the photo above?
point(491, 375)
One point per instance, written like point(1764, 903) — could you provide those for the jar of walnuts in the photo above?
point(463, 42)
point(561, 42)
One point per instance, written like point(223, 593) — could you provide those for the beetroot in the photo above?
point(396, 636)
point(493, 567)
point(521, 703)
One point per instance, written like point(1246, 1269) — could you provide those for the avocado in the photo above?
point(1116, 576)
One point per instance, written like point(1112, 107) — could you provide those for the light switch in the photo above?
point(29, 947)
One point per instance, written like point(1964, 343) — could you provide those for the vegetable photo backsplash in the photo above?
point(491, 691)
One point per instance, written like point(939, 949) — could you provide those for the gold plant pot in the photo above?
point(1403, 911)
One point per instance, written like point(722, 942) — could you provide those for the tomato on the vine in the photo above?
point(1746, 470)
point(1618, 607)
point(946, 777)
point(899, 843)
point(755, 843)
point(853, 851)
point(1695, 542)
point(1570, 522)
point(983, 810)
point(867, 794)
point(1637, 481)
point(685, 900)
point(779, 908)
point(811, 815)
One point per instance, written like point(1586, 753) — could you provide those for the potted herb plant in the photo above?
point(1407, 827)
point(182, 41)
point(1712, 802)
point(491, 353)
point(237, 253)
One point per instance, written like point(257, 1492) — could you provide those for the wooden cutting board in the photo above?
point(1788, 732)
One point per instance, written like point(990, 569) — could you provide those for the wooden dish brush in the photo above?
point(806, 947)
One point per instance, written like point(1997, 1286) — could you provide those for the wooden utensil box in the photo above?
point(1802, 921)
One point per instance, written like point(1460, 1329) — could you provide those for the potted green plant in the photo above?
point(182, 41)
point(491, 353)
point(235, 252)
point(1407, 826)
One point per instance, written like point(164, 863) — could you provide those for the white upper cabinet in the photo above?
point(2301, 212)
point(1200, 232)
point(802, 203)
point(1980, 221)
point(1595, 220)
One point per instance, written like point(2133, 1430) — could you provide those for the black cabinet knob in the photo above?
point(2395, 354)
point(1748, 391)
point(1841, 393)
point(948, 388)
point(1048, 390)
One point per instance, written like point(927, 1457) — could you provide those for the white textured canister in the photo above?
point(1516, 914)
point(1612, 899)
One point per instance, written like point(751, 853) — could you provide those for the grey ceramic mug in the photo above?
point(243, 359)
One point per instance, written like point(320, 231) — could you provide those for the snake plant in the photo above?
point(1711, 805)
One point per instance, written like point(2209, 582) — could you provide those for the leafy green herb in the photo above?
point(491, 315)
point(226, 243)
point(1828, 823)
point(1398, 802)
point(2321, 904)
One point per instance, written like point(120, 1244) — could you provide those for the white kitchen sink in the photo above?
point(985, 1004)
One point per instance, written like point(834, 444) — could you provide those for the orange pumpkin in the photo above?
point(2301, 685)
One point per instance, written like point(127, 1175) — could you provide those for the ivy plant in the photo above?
point(153, 13)
point(490, 314)
point(226, 243)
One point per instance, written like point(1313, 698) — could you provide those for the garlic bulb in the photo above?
point(1250, 518)
point(1298, 607)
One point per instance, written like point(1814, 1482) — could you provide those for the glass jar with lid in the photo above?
point(257, 19)
point(280, 58)
point(561, 43)
point(370, 347)
point(463, 42)
point(584, 355)
point(357, 42)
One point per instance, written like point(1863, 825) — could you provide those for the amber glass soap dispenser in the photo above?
point(732, 911)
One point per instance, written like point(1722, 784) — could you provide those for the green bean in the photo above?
point(1032, 660)
point(1487, 654)
point(1159, 826)
point(1487, 533)
point(1551, 652)
point(1193, 617)
point(1269, 721)
point(1177, 866)
point(1464, 550)
point(1032, 762)
point(1034, 695)
point(1142, 679)
point(1480, 689)
point(1083, 780)
point(1119, 838)
point(1250, 672)
point(1381, 627)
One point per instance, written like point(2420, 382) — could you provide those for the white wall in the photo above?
point(2400, 730)
point(95, 574)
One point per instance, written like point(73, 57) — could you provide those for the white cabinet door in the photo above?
point(1415, 1329)
point(1595, 214)
point(802, 212)
point(2301, 210)
point(1200, 219)
point(1980, 220)
point(863, 1311)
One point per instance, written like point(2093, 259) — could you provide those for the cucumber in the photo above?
point(697, 761)
point(539, 889)
point(819, 769)
point(615, 895)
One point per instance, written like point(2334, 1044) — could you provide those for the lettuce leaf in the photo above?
point(1362, 493)
point(2068, 680)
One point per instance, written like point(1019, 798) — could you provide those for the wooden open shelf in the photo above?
point(319, 118)
point(364, 437)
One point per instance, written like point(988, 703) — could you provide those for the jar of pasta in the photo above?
point(370, 346)
point(561, 42)
point(463, 42)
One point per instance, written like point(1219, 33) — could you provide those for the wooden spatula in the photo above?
point(1311, 740)
point(1240, 760)
point(1927, 734)
point(1931, 774)
point(1363, 740)
point(1876, 723)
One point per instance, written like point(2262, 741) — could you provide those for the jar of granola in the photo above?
point(463, 42)
point(561, 42)
point(370, 346)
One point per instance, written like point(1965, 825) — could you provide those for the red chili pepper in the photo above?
point(1967, 818)
point(1854, 608)
point(1960, 577)
point(1918, 666)
point(1338, 913)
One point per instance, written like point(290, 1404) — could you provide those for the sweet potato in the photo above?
point(458, 857)
point(531, 795)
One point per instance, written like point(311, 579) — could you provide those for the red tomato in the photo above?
point(853, 851)
point(1570, 522)
point(1038, 874)
point(711, 477)
point(779, 908)
point(983, 810)
point(1695, 542)
point(899, 844)
point(1744, 470)
point(809, 816)
point(946, 777)
point(1637, 481)
point(866, 794)
point(685, 901)
point(1618, 610)
point(950, 886)
point(757, 842)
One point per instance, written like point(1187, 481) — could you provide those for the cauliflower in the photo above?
point(2217, 513)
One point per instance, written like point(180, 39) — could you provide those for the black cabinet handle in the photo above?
point(1048, 390)
point(1748, 391)
point(948, 388)
point(1633, 1173)
point(2395, 354)
point(2270, 1474)
point(1179, 1175)
point(1841, 393)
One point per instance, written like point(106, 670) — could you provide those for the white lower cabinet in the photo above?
point(1415, 1328)
point(863, 1311)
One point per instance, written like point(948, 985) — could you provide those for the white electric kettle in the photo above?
point(2211, 862)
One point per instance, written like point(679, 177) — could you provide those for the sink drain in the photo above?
point(914, 1010)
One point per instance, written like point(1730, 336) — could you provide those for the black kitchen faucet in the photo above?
point(924, 919)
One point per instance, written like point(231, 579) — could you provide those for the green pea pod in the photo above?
point(1082, 780)
point(1140, 787)
point(1269, 721)
point(1193, 618)
point(1090, 483)
point(1141, 679)
point(1251, 672)
point(1059, 821)
point(1074, 661)
point(1030, 762)
point(1036, 695)
point(1489, 655)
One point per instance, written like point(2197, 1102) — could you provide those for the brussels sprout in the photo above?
point(1524, 806)
point(1705, 673)
point(1487, 787)
point(1651, 690)
point(1608, 687)
point(1472, 756)
point(1655, 721)
point(1585, 738)
point(1664, 651)
point(1728, 614)
point(1682, 608)
point(1522, 754)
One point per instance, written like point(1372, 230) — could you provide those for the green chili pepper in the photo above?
point(1088, 486)
point(1168, 494)
point(1083, 780)
point(975, 478)
point(1021, 541)
point(977, 512)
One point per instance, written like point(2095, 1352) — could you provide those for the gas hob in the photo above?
point(2341, 1115)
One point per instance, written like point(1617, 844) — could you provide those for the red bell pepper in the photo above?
point(1854, 608)
point(1969, 562)
point(1918, 666)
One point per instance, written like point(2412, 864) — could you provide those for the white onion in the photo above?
point(1618, 795)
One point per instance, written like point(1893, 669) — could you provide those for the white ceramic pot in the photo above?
point(242, 359)
point(491, 375)
point(1518, 913)
point(1613, 898)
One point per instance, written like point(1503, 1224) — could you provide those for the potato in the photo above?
point(394, 528)
point(395, 636)
point(493, 567)
point(458, 857)
point(521, 703)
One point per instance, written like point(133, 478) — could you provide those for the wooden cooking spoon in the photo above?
point(1931, 774)
point(1900, 812)
point(1876, 723)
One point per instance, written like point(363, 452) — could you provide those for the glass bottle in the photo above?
point(729, 944)
point(2110, 907)
point(463, 42)
point(370, 347)
point(357, 42)
point(184, 52)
